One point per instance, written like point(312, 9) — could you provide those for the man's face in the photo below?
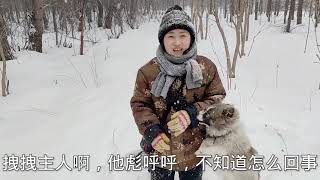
point(177, 41)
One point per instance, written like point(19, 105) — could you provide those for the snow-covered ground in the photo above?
point(61, 103)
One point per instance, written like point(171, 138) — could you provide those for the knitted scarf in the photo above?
point(172, 67)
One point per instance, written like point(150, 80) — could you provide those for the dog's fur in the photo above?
point(225, 136)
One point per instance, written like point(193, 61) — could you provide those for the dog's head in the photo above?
point(219, 119)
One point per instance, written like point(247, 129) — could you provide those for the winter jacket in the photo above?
point(151, 113)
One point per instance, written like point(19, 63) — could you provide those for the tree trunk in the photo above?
point(269, 10)
point(45, 21)
point(88, 11)
point(17, 10)
point(291, 13)
point(211, 6)
point(100, 13)
point(244, 11)
point(10, 13)
point(261, 7)
point(279, 6)
point(286, 8)
point(37, 21)
point(109, 16)
point(55, 26)
point(83, 6)
point(316, 13)
point(231, 10)
point(81, 15)
point(4, 71)
point(299, 12)
point(247, 23)
point(225, 8)
point(4, 41)
point(256, 10)
point(224, 38)
point(200, 15)
point(3, 38)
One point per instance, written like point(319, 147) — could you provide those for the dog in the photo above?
point(226, 137)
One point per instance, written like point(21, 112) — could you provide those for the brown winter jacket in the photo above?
point(152, 113)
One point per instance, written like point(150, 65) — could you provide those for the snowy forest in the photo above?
point(68, 70)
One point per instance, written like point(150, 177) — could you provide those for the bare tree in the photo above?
point(256, 9)
point(269, 10)
point(291, 13)
point(286, 8)
point(200, 11)
point(100, 13)
point(261, 6)
point(2, 56)
point(225, 9)
point(54, 19)
point(317, 13)
point(237, 20)
point(131, 11)
point(83, 6)
point(109, 16)
point(35, 37)
point(244, 24)
point(277, 7)
point(4, 41)
point(4, 71)
point(299, 12)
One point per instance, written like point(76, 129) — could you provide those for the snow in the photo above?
point(64, 103)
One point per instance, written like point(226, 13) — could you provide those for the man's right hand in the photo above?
point(161, 143)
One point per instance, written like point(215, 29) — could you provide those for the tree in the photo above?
point(4, 41)
point(4, 71)
point(35, 37)
point(256, 10)
point(200, 10)
point(54, 19)
point(269, 10)
point(316, 13)
point(83, 6)
point(299, 12)
point(291, 14)
point(286, 8)
point(239, 8)
point(100, 13)
point(110, 12)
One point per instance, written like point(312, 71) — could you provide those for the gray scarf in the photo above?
point(172, 67)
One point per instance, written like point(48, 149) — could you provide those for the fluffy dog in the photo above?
point(225, 137)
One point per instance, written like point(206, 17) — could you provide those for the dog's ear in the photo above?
point(228, 112)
